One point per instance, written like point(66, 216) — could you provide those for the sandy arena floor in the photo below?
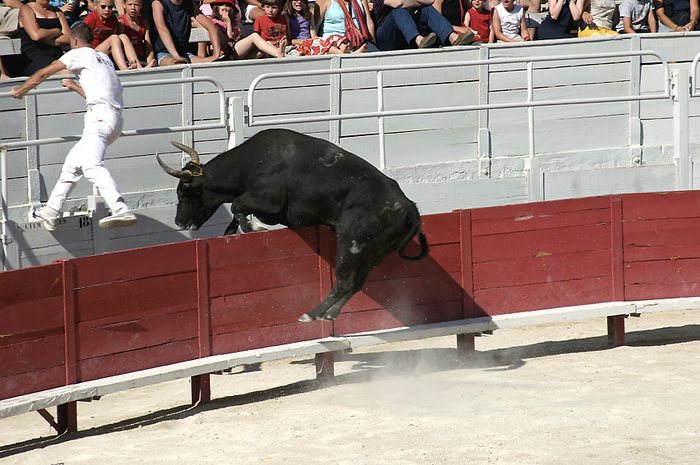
point(543, 395)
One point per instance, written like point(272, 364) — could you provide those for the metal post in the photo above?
point(532, 164)
point(4, 238)
point(236, 121)
point(679, 91)
point(380, 120)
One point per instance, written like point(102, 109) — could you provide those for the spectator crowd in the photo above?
point(146, 33)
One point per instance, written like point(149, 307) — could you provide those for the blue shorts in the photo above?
point(162, 55)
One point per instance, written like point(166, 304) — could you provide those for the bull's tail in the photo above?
point(414, 218)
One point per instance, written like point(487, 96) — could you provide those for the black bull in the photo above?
point(284, 177)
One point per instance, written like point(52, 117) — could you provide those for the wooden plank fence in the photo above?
point(92, 325)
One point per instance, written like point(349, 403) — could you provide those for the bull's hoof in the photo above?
point(305, 318)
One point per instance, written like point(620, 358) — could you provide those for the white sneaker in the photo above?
point(48, 216)
point(118, 220)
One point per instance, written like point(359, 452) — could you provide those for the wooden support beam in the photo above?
point(67, 418)
point(201, 389)
point(325, 366)
point(465, 346)
point(616, 330)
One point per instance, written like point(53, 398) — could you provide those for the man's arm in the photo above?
point(37, 78)
point(13, 3)
point(164, 32)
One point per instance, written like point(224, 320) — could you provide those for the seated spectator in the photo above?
point(600, 13)
point(43, 33)
point(330, 15)
point(562, 16)
point(108, 36)
point(272, 26)
point(454, 11)
point(226, 15)
point(300, 20)
point(404, 24)
point(678, 15)
point(509, 22)
point(73, 9)
point(138, 32)
point(302, 32)
point(173, 21)
point(9, 25)
point(636, 16)
point(478, 18)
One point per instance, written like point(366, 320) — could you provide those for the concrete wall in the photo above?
point(444, 161)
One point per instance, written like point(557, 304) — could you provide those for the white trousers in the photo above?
point(103, 124)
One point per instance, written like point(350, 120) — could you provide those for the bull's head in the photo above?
point(194, 206)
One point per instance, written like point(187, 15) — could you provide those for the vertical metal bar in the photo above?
point(532, 164)
point(380, 120)
point(336, 88)
point(236, 122)
point(635, 122)
point(484, 134)
point(5, 211)
point(530, 111)
point(681, 129)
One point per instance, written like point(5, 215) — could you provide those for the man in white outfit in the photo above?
point(100, 87)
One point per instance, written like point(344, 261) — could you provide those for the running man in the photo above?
point(100, 87)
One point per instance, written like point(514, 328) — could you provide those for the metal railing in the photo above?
point(4, 209)
point(530, 103)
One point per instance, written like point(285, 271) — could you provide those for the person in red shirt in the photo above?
point(272, 26)
point(478, 17)
point(109, 37)
point(137, 30)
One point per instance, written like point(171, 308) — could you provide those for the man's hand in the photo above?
point(19, 92)
point(69, 84)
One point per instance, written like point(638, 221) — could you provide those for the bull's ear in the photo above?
point(184, 175)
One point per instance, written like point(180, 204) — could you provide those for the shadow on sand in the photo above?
point(372, 366)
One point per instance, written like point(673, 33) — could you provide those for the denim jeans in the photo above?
point(400, 27)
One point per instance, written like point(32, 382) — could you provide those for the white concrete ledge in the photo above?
point(104, 386)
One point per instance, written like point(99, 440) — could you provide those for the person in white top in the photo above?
point(509, 22)
point(100, 87)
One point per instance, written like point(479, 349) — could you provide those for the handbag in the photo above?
point(355, 36)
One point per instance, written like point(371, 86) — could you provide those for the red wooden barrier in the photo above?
point(92, 317)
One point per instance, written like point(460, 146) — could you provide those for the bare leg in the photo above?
point(131, 57)
point(247, 44)
point(113, 46)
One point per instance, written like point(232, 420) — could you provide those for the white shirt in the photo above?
point(638, 13)
point(97, 76)
point(510, 21)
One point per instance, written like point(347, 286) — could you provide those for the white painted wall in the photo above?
point(443, 161)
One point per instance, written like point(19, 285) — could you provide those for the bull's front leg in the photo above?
point(352, 269)
point(239, 219)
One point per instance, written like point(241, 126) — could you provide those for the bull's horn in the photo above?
point(185, 175)
point(194, 156)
